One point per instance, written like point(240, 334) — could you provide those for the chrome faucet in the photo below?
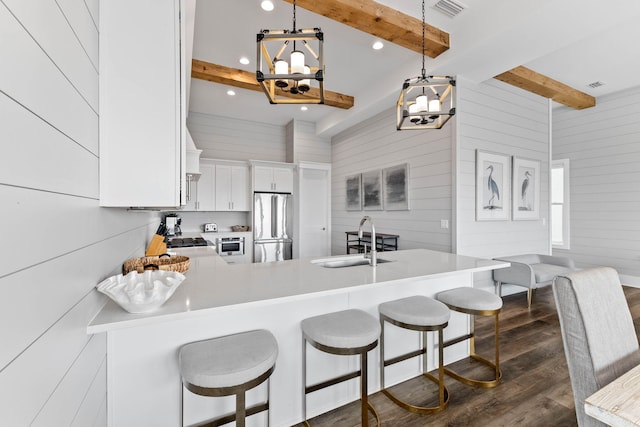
point(373, 252)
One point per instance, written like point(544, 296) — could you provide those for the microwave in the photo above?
point(227, 246)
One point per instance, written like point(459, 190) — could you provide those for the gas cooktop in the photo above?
point(185, 242)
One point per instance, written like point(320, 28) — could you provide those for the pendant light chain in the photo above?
point(294, 16)
point(423, 21)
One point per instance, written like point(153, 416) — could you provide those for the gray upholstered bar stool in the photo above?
point(229, 365)
point(347, 332)
point(422, 314)
point(475, 302)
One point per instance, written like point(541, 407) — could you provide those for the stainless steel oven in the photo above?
point(227, 246)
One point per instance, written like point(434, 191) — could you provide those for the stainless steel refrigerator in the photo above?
point(272, 225)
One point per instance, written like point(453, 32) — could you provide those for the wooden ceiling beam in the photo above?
point(404, 30)
point(542, 85)
point(246, 80)
point(381, 21)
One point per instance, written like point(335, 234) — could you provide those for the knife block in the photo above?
point(157, 246)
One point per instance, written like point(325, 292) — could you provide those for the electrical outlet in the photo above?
point(444, 223)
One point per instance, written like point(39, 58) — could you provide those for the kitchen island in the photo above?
point(217, 298)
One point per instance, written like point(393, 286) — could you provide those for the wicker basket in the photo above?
point(239, 228)
point(165, 262)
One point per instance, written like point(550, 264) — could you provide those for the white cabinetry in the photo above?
point(142, 103)
point(273, 177)
point(232, 187)
point(202, 194)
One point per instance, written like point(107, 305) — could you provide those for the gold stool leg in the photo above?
point(364, 397)
point(443, 392)
point(240, 409)
point(365, 404)
point(472, 353)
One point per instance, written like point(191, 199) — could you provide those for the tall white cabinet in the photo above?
point(142, 103)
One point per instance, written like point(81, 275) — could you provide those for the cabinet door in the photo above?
point(142, 123)
point(223, 188)
point(240, 188)
point(206, 188)
point(283, 180)
point(263, 178)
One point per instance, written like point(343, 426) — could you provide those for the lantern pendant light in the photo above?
point(426, 102)
point(276, 76)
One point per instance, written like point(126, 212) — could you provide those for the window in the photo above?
point(560, 204)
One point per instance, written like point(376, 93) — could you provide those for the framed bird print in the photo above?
point(493, 195)
point(526, 189)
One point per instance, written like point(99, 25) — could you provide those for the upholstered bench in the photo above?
point(531, 271)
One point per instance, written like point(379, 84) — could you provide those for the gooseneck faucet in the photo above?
point(373, 251)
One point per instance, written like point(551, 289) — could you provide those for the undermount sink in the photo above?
point(345, 262)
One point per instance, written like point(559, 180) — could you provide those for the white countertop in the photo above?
point(212, 284)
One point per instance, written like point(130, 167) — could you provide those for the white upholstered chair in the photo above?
point(599, 338)
point(531, 271)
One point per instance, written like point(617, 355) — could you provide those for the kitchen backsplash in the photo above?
point(193, 221)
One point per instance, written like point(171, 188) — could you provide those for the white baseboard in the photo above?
point(633, 281)
point(512, 289)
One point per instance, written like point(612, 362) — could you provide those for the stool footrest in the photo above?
point(404, 357)
point(421, 409)
point(457, 340)
point(478, 383)
point(232, 417)
point(333, 381)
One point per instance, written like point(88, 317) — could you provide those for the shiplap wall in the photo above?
point(303, 145)
point(496, 117)
point(375, 143)
point(233, 139)
point(61, 242)
point(603, 145)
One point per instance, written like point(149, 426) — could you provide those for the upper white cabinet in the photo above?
point(273, 177)
point(142, 103)
point(202, 193)
point(232, 187)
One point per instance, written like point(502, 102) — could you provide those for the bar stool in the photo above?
point(347, 332)
point(423, 314)
point(229, 365)
point(475, 302)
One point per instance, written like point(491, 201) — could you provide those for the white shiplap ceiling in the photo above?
point(576, 42)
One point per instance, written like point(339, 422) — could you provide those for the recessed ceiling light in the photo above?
point(244, 60)
point(377, 45)
point(230, 92)
point(304, 108)
point(267, 5)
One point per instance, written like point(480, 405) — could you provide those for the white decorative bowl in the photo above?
point(141, 292)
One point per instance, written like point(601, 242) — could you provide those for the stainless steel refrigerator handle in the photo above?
point(274, 216)
point(285, 200)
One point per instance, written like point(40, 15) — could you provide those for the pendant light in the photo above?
point(426, 102)
point(276, 76)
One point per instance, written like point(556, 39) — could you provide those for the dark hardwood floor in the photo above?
point(535, 391)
